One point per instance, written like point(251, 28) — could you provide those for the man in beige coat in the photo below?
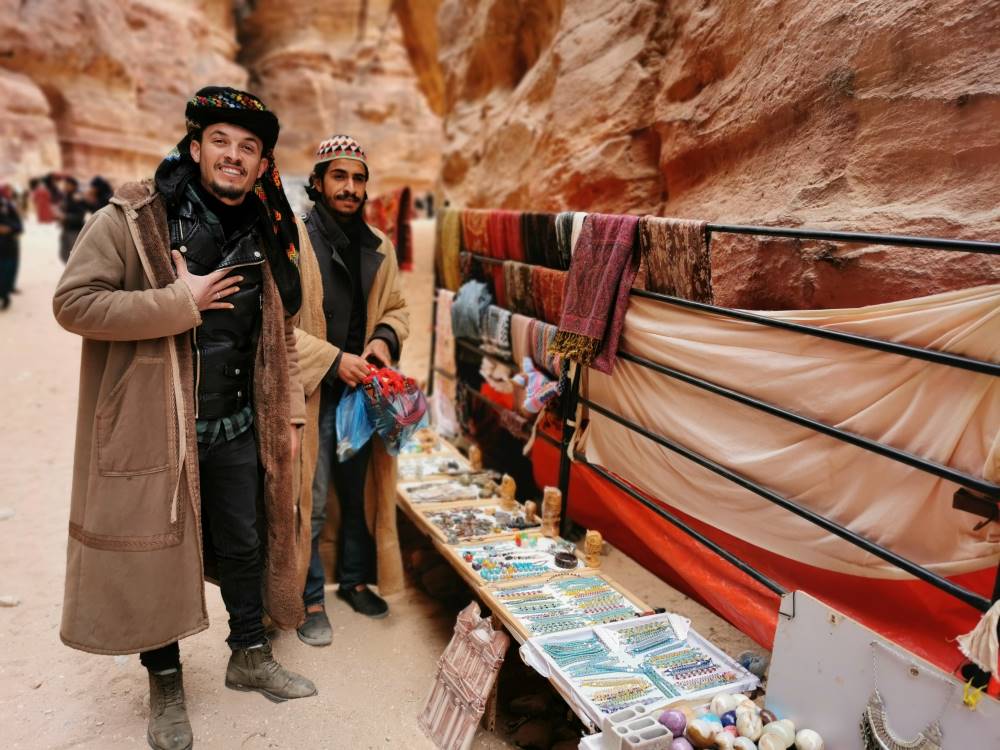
point(353, 314)
point(189, 395)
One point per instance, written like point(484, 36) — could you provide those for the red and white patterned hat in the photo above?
point(341, 147)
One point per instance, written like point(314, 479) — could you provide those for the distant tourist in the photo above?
point(10, 244)
point(98, 194)
point(42, 199)
point(72, 215)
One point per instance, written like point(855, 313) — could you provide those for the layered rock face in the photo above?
point(114, 77)
point(99, 86)
point(340, 67)
point(874, 115)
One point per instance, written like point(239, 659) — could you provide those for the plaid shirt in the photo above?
point(213, 430)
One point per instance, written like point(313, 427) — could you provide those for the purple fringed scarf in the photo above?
point(597, 291)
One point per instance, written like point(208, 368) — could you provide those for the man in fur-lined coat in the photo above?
point(353, 313)
point(190, 411)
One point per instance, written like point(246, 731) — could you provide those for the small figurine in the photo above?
point(592, 545)
point(508, 488)
point(551, 511)
point(476, 457)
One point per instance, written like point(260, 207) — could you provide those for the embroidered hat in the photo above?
point(341, 147)
point(214, 104)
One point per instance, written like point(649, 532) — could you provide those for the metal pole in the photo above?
point(568, 416)
point(434, 315)
point(899, 240)
point(914, 352)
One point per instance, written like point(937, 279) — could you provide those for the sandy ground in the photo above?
point(372, 681)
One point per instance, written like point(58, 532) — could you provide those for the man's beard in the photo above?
point(230, 193)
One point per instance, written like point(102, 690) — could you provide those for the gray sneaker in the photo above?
point(254, 668)
point(169, 728)
point(316, 630)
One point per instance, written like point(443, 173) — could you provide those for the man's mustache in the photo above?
point(347, 197)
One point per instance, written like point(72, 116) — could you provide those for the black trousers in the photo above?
point(229, 484)
point(356, 559)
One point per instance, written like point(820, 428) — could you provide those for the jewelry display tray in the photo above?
point(534, 655)
point(488, 594)
point(453, 553)
point(484, 507)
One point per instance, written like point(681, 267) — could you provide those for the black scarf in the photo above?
point(279, 232)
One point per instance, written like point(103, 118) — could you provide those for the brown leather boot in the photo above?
point(169, 728)
point(254, 668)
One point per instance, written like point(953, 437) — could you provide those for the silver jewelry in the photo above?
point(875, 731)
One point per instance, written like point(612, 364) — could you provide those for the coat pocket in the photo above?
point(134, 430)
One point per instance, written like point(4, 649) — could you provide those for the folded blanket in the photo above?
point(503, 229)
point(474, 236)
point(547, 285)
point(496, 331)
point(675, 254)
point(538, 233)
point(447, 247)
point(468, 310)
point(517, 285)
point(540, 338)
point(597, 291)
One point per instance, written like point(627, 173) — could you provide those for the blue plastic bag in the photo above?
point(354, 426)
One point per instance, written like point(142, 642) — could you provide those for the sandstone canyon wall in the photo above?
point(99, 86)
point(875, 115)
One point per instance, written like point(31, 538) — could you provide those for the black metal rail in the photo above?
point(969, 597)
point(867, 238)
point(764, 580)
point(913, 352)
point(874, 446)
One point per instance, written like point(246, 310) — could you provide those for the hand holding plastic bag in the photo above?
point(387, 403)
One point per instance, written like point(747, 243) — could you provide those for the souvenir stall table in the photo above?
point(601, 647)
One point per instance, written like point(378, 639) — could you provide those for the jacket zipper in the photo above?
point(197, 351)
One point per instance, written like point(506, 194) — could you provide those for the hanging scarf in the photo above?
point(597, 291)
point(392, 213)
point(280, 234)
point(564, 238)
point(504, 232)
point(517, 283)
point(676, 257)
point(538, 232)
point(474, 237)
point(447, 247)
point(468, 308)
point(547, 285)
point(444, 340)
point(499, 284)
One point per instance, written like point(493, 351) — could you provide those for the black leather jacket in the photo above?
point(226, 341)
